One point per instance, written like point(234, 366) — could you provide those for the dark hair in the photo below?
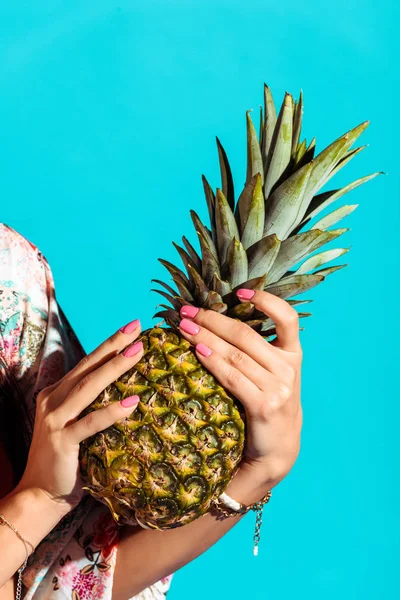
point(15, 421)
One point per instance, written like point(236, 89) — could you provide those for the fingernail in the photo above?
point(189, 327)
point(203, 350)
point(130, 326)
point(244, 294)
point(133, 349)
point(130, 401)
point(189, 311)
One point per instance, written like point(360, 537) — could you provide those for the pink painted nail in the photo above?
point(133, 349)
point(244, 294)
point(203, 350)
point(130, 401)
point(189, 311)
point(189, 327)
point(130, 326)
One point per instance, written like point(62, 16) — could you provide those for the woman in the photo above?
point(46, 381)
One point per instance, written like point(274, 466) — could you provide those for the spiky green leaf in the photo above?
point(212, 298)
point(226, 176)
point(220, 286)
point(297, 121)
point(210, 199)
point(323, 200)
point(235, 269)
point(201, 229)
point(169, 289)
point(294, 285)
point(307, 156)
point(327, 160)
point(254, 158)
point(334, 217)
point(262, 254)
point(328, 270)
point(183, 284)
point(174, 300)
point(300, 151)
point(192, 252)
point(281, 146)
point(288, 203)
point(269, 123)
point(291, 251)
point(295, 248)
point(317, 260)
point(346, 158)
point(253, 221)
point(261, 129)
point(225, 225)
point(186, 259)
point(202, 289)
point(244, 202)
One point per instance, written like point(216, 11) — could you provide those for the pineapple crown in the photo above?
point(256, 241)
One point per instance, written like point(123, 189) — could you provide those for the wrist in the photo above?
point(32, 511)
point(41, 500)
point(248, 485)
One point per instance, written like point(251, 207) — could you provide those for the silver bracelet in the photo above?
point(228, 507)
point(4, 521)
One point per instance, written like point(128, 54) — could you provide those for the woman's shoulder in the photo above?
point(11, 239)
point(22, 265)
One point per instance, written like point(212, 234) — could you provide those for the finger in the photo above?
point(103, 353)
point(91, 385)
point(231, 354)
point(242, 336)
point(283, 315)
point(100, 419)
point(230, 378)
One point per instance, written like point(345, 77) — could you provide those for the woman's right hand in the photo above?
point(53, 466)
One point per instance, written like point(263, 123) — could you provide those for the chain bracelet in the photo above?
point(257, 530)
point(4, 521)
point(227, 507)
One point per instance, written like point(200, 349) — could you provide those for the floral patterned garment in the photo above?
point(77, 559)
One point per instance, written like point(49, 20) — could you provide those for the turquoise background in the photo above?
point(108, 117)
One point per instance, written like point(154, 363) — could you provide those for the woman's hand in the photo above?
point(264, 376)
point(52, 466)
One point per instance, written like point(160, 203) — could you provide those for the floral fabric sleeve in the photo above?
point(77, 559)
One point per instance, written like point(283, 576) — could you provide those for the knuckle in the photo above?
point(43, 394)
point(235, 357)
point(82, 383)
point(114, 340)
point(242, 331)
point(275, 401)
point(290, 375)
point(285, 392)
point(49, 423)
point(246, 333)
point(89, 420)
point(84, 361)
point(292, 317)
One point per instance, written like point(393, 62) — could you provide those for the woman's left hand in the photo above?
point(264, 376)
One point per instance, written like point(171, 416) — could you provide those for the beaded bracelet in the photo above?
point(228, 507)
point(5, 522)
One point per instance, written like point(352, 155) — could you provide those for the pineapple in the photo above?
point(163, 465)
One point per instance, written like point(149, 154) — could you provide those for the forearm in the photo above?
point(148, 555)
point(32, 513)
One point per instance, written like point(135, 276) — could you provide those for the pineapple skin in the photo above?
point(162, 466)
